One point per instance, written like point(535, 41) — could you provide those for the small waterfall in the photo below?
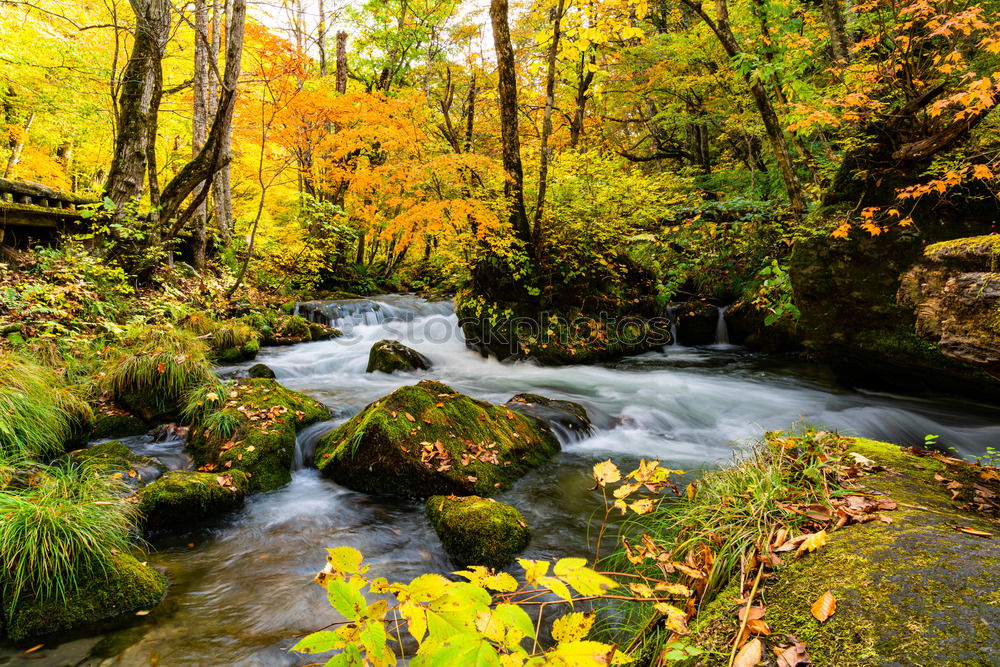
point(305, 442)
point(342, 314)
point(721, 329)
point(672, 316)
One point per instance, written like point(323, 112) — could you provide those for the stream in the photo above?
point(241, 587)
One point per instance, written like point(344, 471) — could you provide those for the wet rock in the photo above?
point(181, 498)
point(428, 439)
point(389, 356)
point(111, 422)
point(565, 416)
point(261, 371)
point(955, 295)
point(127, 587)
point(114, 458)
point(255, 432)
point(478, 531)
point(696, 322)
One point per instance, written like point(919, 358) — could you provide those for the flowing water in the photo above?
point(241, 588)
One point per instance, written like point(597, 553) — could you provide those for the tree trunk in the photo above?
point(839, 42)
point(341, 62)
point(584, 78)
point(138, 101)
point(470, 119)
point(222, 191)
point(199, 121)
point(321, 39)
point(550, 98)
point(17, 147)
point(198, 173)
point(772, 125)
point(511, 144)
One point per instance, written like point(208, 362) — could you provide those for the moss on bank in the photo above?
point(127, 587)
point(914, 591)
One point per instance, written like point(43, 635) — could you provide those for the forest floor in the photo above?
point(918, 587)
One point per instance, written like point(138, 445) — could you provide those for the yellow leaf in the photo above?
point(824, 607)
point(813, 542)
point(572, 627)
point(606, 473)
point(676, 620)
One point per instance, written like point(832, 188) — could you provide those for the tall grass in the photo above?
point(733, 514)
point(66, 526)
point(37, 414)
point(156, 367)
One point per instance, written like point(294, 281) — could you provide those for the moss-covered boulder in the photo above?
point(293, 329)
point(389, 356)
point(428, 439)
point(181, 498)
point(127, 587)
point(911, 590)
point(113, 422)
point(114, 458)
point(261, 371)
point(253, 429)
point(478, 531)
point(567, 417)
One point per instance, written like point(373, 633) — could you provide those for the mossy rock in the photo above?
point(389, 356)
point(567, 416)
point(181, 498)
point(128, 587)
point(234, 355)
point(267, 418)
point(319, 331)
point(428, 439)
point(913, 592)
point(116, 423)
point(478, 531)
point(114, 458)
point(261, 371)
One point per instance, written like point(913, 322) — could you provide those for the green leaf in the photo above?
point(346, 560)
point(319, 642)
point(515, 617)
point(346, 599)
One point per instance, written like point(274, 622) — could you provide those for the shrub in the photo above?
point(67, 526)
point(156, 367)
point(37, 415)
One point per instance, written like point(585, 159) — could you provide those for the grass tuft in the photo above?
point(155, 369)
point(66, 526)
point(37, 414)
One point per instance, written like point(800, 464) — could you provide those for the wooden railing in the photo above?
point(34, 213)
point(41, 196)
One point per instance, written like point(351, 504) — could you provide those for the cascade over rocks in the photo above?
point(428, 439)
point(478, 531)
point(389, 356)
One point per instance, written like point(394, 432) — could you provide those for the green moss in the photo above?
point(185, 497)
point(129, 587)
point(981, 250)
point(478, 531)
point(113, 457)
point(267, 418)
point(116, 423)
point(911, 592)
point(427, 439)
point(323, 332)
point(389, 356)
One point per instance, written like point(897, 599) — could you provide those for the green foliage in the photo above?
point(65, 525)
point(37, 415)
point(473, 622)
point(155, 368)
point(774, 295)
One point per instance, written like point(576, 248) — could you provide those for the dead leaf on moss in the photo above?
point(824, 607)
point(749, 655)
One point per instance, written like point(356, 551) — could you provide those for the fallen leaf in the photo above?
point(749, 655)
point(973, 531)
point(410, 417)
point(861, 460)
point(33, 649)
point(824, 607)
point(794, 656)
point(144, 612)
point(758, 627)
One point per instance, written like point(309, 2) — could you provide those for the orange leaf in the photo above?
point(749, 655)
point(824, 607)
